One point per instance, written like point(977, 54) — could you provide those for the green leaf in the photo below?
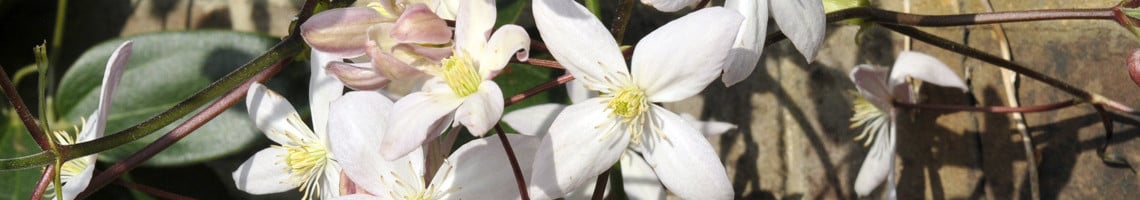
point(14, 142)
point(509, 11)
point(164, 69)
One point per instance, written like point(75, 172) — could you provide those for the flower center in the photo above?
point(305, 158)
point(629, 102)
point(460, 74)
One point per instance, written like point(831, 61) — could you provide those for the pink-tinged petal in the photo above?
point(708, 128)
point(679, 59)
point(273, 114)
point(879, 163)
point(356, 125)
point(113, 72)
point(419, 25)
point(926, 68)
point(359, 197)
point(482, 171)
point(323, 89)
point(508, 40)
point(340, 31)
point(379, 36)
point(430, 53)
point(79, 182)
point(584, 141)
point(581, 44)
point(749, 44)
point(481, 110)
point(356, 77)
point(684, 160)
point(392, 67)
point(473, 26)
point(264, 173)
point(670, 5)
point(534, 120)
point(578, 92)
point(418, 117)
point(804, 23)
point(638, 178)
point(871, 82)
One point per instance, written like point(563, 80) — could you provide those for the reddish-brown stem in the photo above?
point(514, 162)
point(600, 186)
point(989, 109)
point(540, 88)
point(45, 180)
point(544, 63)
point(22, 110)
point(184, 129)
point(151, 190)
point(892, 17)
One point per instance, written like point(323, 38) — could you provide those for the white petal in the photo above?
point(708, 128)
point(264, 173)
point(330, 182)
point(418, 117)
point(508, 40)
point(926, 68)
point(803, 21)
point(684, 160)
point(79, 182)
point(356, 125)
point(447, 9)
point(273, 114)
point(749, 44)
point(534, 120)
point(578, 92)
point(580, 43)
point(638, 178)
point(323, 89)
point(670, 5)
point(114, 71)
point(679, 59)
point(871, 82)
point(481, 110)
point(476, 17)
point(879, 162)
point(584, 141)
point(482, 169)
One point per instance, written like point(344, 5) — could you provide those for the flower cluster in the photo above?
point(414, 79)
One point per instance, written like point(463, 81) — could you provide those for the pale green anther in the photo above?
point(629, 102)
point(460, 74)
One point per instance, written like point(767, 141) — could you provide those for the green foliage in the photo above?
point(509, 11)
point(164, 69)
point(14, 142)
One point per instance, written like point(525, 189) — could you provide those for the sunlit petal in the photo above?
point(670, 5)
point(473, 26)
point(264, 173)
point(481, 110)
point(417, 117)
point(419, 25)
point(638, 178)
point(113, 72)
point(803, 21)
point(679, 59)
point(580, 43)
point(879, 162)
point(534, 120)
point(708, 128)
point(583, 142)
point(684, 160)
point(340, 31)
point(482, 170)
point(273, 114)
point(749, 44)
point(357, 77)
point(356, 125)
point(508, 40)
point(323, 89)
point(926, 68)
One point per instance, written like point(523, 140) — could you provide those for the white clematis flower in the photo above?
point(674, 62)
point(76, 173)
point(477, 170)
point(461, 89)
point(639, 180)
point(881, 87)
point(803, 21)
point(301, 157)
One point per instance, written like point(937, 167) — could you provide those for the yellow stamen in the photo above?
point(460, 74)
point(629, 102)
point(305, 158)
